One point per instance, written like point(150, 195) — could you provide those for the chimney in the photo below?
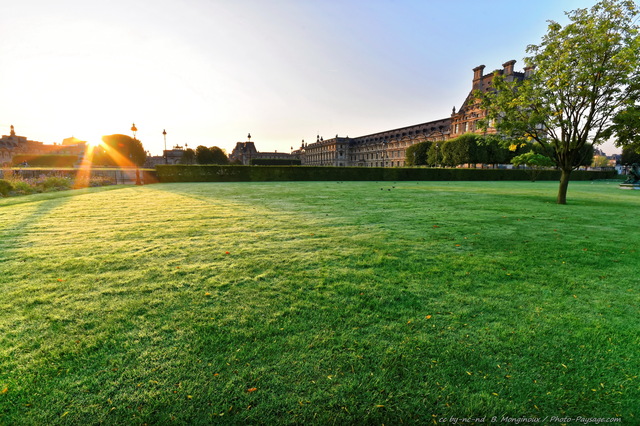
point(528, 71)
point(508, 67)
point(477, 76)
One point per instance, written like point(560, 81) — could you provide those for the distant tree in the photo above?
point(600, 161)
point(446, 154)
point(126, 146)
point(496, 152)
point(626, 128)
point(219, 155)
point(416, 154)
point(434, 154)
point(188, 156)
point(629, 156)
point(584, 74)
point(203, 155)
point(213, 155)
point(465, 149)
point(535, 163)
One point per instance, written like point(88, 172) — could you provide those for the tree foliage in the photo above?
point(416, 154)
point(629, 156)
point(600, 161)
point(535, 163)
point(116, 146)
point(585, 74)
point(213, 155)
point(626, 128)
point(188, 156)
point(469, 148)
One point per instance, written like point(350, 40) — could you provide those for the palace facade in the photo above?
point(244, 152)
point(388, 148)
point(12, 144)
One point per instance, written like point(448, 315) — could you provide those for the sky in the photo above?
point(211, 71)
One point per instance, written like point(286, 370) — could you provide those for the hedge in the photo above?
point(5, 187)
point(49, 160)
point(211, 173)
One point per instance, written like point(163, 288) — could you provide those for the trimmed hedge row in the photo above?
point(46, 160)
point(211, 173)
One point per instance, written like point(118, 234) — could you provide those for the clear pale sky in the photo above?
point(211, 71)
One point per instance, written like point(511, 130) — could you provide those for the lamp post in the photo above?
point(248, 149)
point(164, 133)
point(134, 129)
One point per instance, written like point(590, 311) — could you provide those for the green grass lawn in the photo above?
point(319, 302)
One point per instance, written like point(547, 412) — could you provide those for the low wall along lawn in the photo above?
point(210, 173)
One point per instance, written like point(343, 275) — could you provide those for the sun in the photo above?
point(94, 142)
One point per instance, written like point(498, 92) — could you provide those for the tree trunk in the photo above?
point(564, 184)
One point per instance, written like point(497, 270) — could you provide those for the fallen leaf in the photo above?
point(5, 390)
point(428, 317)
point(226, 252)
point(252, 389)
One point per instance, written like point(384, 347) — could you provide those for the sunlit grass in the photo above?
point(318, 303)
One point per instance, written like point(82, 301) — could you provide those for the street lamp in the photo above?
point(164, 133)
point(134, 129)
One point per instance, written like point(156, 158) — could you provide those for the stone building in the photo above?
point(466, 119)
point(244, 152)
point(12, 144)
point(174, 155)
point(388, 148)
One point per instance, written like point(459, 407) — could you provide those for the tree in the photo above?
point(584, 74)
point(213, 155)
point(496, 152)
point(535, 162)
point(446, 154)
point(188, 156)
point(126, 146)
point(629, 156)
point(434, 155)
point(626, 128)
point(600, 161)
point(416, 154)
point(219, 156)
